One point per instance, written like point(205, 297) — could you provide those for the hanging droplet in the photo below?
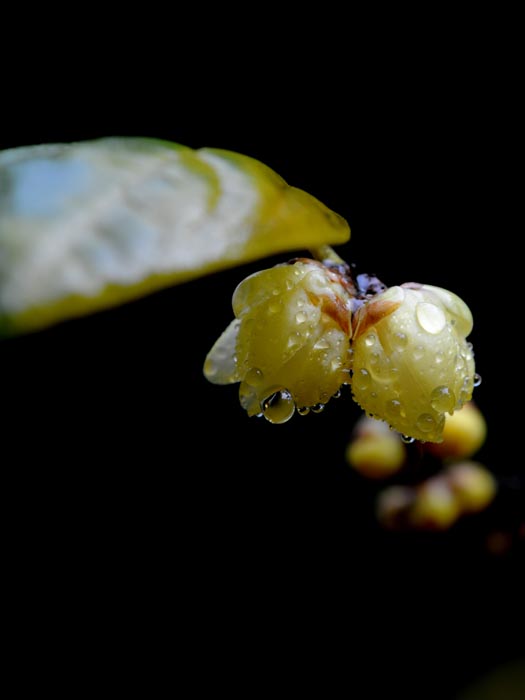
point(425, 423)
point(443, 400)
point(407, 439)
point(337, 394)
point(278, 407)
point(318, 408)
point(303, 410)
point(477, 379)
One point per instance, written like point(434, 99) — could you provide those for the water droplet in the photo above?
point(418, 352)
point(276, 292)
point(370, 340)
point(374, 358)
point(393, 408)
point(477, 379)
point(278, 407)
point(337, 394)
point(442, 399)
point(274, 307)
point(294, 340)
point(407, 439)
point(425, 422)
point(318, 408)
point(301, 317)
point(439, 358)
point(400, 341)
point(303, 410)
point(254, 377)
point(322, 344)
point(470, 346)
point(335, 364)
point(289, 285)
point(362, 379)
point(430, 317)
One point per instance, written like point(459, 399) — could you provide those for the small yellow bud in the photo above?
point(436, 506)
point(289, 345)
point(393, 506)
point(412, 363)
point(463, 435)
point(375, 451)
point(473, 485)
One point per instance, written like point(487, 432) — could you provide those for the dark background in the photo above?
point(159, 533)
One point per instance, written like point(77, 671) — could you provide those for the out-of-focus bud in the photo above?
point(473, 485)
point(436, 506)
point(393, 506)
point(412, 363)
point(463, 435)
point(289, 345)
point(375, 451)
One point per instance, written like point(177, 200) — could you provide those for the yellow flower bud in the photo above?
point(464, 433)
point(412, 363)
point(290, 342)
point(436, 506)
point(473, 485)
point(375, 451)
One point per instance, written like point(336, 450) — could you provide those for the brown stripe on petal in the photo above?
point(371, 313)
point(334, 308)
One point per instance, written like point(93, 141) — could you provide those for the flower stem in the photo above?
point(326, 253)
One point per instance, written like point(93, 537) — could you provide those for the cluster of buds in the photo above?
point(303, 329)
point(460, 486)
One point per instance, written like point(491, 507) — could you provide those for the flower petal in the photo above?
point(89, 225)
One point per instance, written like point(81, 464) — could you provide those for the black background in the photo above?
point(160, 534)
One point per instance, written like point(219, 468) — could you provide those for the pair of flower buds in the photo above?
point(304, 329)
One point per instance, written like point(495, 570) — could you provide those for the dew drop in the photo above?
point(318, 408)
point(477, 379)
point(407, 439)
point(425, 422)
point(254, 377)
point(400, 341)
point(335, 364)
point(322, 344)
point(274, 307)
point(289, 285)
point(393, 408)
point(374, 358)
point(443, 400)
point(430, 317)
point(301, 317)
point(439, 358)
point(362, 379)
point(303, 410)
point(294, 340)
point(370, 340)
point(337, 394)
point(418, 352)
point(278, 407)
